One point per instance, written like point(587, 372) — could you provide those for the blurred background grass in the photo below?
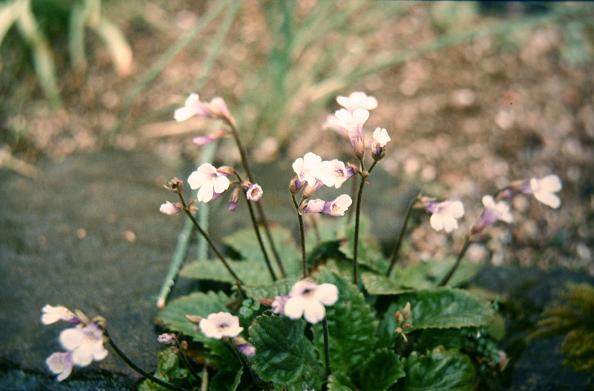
point(475, 94)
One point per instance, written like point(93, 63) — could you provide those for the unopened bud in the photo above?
point(226, 170)
point(175, 184)
point(359, 148)
point(166, 338)
point(170, 208)
point(234, 199)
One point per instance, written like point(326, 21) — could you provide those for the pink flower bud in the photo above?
point(170, 208)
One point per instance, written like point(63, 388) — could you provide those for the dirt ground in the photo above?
point(464, 120)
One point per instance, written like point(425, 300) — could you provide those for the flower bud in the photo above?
point(244, 347)
point(226, 170)
point(194, 319)
point(170, 208)
point(175, 184)
point(234, 199)
point(295, 185)
point(166, 338)
point(254, 192)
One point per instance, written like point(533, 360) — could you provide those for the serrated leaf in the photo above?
point(173, 317)
point(284, 355)
point(251, 272)
point(351, 324)
point(446, 308)
point(339, 382)
point(427, 274)
point(439, 370)
point(380, 371)
point(170, 370)
point(381, 285)
point(279, 288)
point(246, 244)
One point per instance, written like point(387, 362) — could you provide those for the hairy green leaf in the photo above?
point(446, 308)
point(351, 325)
point(377, 284)
point(439, 370)
point(339, 382)
point(380, 371)
point(284, 355)
point(279, 288)
point(173, 317)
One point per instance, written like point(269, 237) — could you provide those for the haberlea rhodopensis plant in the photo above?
point(324, 308)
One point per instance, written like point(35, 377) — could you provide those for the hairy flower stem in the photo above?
point(326, 348)
point(364, 174)
point(302, 235)
point(448, 276)
point(248, 171)
point(398, 244)
point(186, 361)
point(189, 213)
point(135, 367)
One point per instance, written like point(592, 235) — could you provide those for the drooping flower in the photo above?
point(209, 181)
point(220, 325)
point(254, 192)
point(308, 299)
point(336, 207)
point(53, 314)
point(216, 108)
point(313, 206)
point(334, 173)
point(307, 168)
point(544, 190)
point(170, 208)
point(350, 124)
point(492, 213)
point(85, 342)
point(357, 100)
point(445, 215)
point(60, 363)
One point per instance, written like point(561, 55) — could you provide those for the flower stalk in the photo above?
point(326, 348)
point(301, 235)
point(136, 368)
point(364, 175)
point(450, 273)
point(398, 245)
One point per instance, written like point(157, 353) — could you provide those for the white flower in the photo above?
point(209, 181)
point(191, 107)
point(381, 137)
point(220, 325)
point(307, 168)
point(169, 208)
point(85, 343)
point(445, 214)
point(308, 299)
point(53, 314)
point(544, 190)
point(60, 363)
point(254, 192)
point(333, 173)
point(349, 123)
point(357, 100)
point(338, 206)
point(495, 211)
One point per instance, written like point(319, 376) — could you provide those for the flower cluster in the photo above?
point(83, 343)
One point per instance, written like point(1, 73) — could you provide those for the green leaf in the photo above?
point(173, 317)
point(284, 355)
point(279, 288)
point(446, 308)
point(380, 285)
point(380, 371)
point(251, 272)
point(439, 370)
point(339, 382)
point(246, 244)
point(351, 324)
point(427, 274)
point(169, 369)
point(230, 370)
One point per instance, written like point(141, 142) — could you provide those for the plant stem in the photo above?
point(257, 230)
point(364, 176)
point(302, 235)
point(204, 385)
point(248, 171)
point(188, 212)
point(136, 368)
point(327, 348)
point(451, 272)
point(354, 195)
point(186, 361)
point(398, 244)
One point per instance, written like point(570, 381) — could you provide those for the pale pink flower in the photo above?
point(278, 304)
point(492, 213)
point(307, 168)
point(170, 208)
point(544, 190)
point(254, 192)
point(357, 100)
point(60, 363)
point(333, 173)
point(85, 342)
point(350, 124)
point(308, 299)
point(216, 108)
point(221, 325)
point(209, 181)
point(51, 314)
point(381, 137)
point(445, 215)
point(167, 338)
point(339, 206)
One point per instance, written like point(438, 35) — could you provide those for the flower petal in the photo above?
point(72, 338)
point(551, 183)
point(327, 294)
point(549, 199)
point(314, 311)
point(294, 307)
point(205, 193)
point(221, 184)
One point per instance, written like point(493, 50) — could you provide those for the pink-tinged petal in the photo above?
point(450, 224)
point(196, 179)
point(192, 100)
point(314, 311)
point(436, 222)
point(209, 329)
point(72, 338)
point(207, 169)
point(100, 354)
point(83, 355)
point(221, 184)
point(488, 201)
point(327, 294)
point(551, 183)
point(549, 199)
point(184, 113)
point(205, 193)
point(294, 307)
point(360, 116)
point(233, 331)
point(457, 209)
point(60, 363)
